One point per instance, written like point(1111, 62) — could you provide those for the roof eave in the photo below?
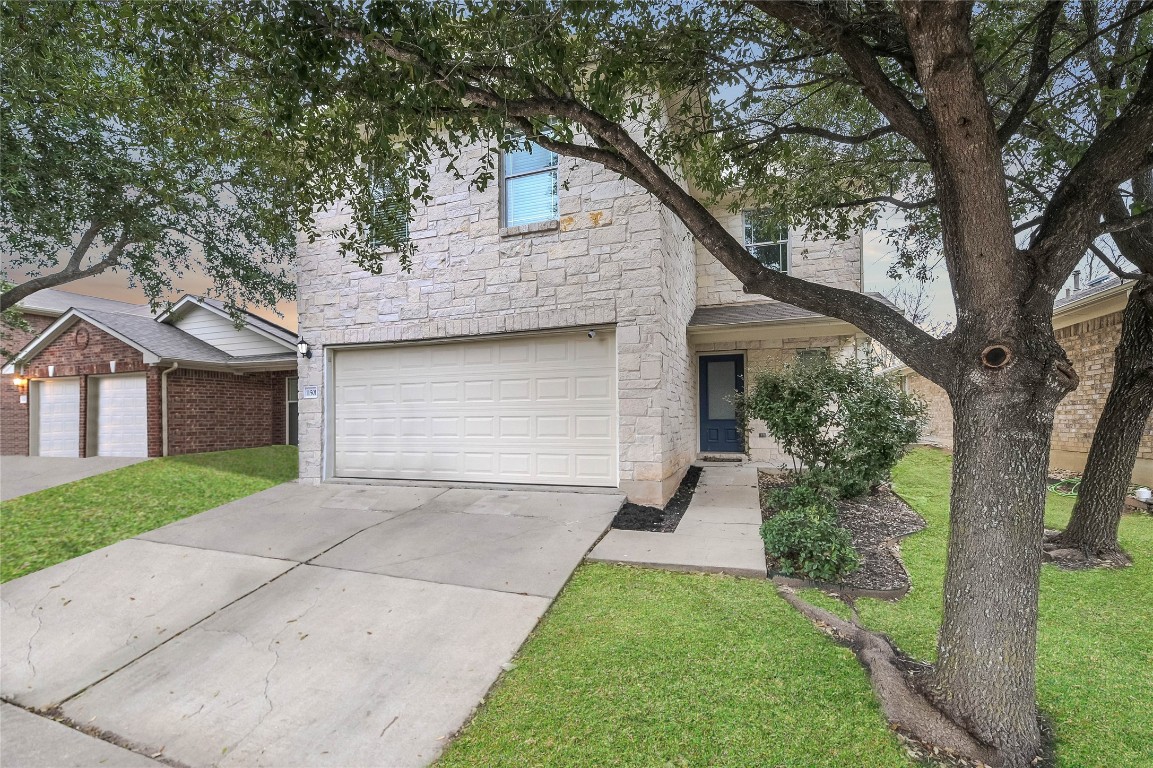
point(1093, 298)
point(195, 300)
point(53, 332)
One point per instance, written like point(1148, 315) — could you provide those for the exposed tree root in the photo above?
point(1068, 552)
point(908, 711)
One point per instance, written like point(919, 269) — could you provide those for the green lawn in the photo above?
point(51, 526)
point(647, 668)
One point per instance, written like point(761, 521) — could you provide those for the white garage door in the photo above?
point(121, 415)
point(518, 409)
point(58, 423)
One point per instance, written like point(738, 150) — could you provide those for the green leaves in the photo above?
point(845, 423)
point(808, 542)
point(160, 156)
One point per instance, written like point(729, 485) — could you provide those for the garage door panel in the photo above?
point(121, 415)
point(526, 409)
point(58, 422)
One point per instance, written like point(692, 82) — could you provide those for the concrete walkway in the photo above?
point(302, 626)
point(720, 532)
point(27, 474)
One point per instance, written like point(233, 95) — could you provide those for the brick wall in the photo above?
point(13, 413)
point(938, 428)
point(208, 410)
point(1091, 345)
point(218, 411)
point(80, 351)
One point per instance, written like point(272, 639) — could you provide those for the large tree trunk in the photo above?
point(985, 673)
point(1101, 498)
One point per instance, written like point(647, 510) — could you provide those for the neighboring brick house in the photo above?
point(1088, 325)
point(560, 327)
point(107, 378)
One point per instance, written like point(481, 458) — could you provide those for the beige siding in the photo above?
point(222, 334)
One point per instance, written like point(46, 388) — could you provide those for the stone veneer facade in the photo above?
point(614, 257)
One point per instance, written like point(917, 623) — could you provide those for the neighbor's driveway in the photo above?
point(27, 474)
point(302, 626)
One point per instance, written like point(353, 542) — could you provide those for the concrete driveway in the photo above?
point(27, 474)
point(302, 626)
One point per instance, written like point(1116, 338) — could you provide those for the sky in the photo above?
point(115, 285)
point(878, 255)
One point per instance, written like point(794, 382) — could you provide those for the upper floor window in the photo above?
point(767, 239)
point(530, 186)
point(389, 220)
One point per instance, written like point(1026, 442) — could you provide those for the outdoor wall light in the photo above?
point(20, 382)
point(305, 350)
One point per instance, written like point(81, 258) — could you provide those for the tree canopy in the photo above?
point(103, 167)
point(821, 111)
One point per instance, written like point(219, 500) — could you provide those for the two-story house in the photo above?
point(559, 328)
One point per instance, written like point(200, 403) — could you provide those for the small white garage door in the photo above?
point(58, 422)
point(121, 406)
point(516, 409)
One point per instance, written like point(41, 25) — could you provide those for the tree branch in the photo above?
point(68, 274)
point(819, 22)
point(1071, 219)
point(889, 200)
point(1038, 71)
point(1111, 226)
point(1112, 265)
point(618, 151)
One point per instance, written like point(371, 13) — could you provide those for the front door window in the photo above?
point(722, 378)
point(292, 414)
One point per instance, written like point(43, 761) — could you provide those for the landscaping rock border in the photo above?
point(877, 523)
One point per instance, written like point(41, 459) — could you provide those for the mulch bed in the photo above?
point(877, 522)
point(638, 517)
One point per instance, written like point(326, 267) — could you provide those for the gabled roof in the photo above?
point(254, 322)
point(157, 341)
point(149, 336)
point(54, 303)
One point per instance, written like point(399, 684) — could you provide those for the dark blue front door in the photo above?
point(722, 379)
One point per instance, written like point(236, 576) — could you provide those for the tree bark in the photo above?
point(985, 673)
point(1097, 513)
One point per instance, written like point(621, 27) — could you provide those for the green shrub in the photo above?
point(806, 541)
point(844, 422)
point(804, 495)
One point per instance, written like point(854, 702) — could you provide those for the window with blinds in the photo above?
point(530, 186)
point(767, 239)
point(389, 222)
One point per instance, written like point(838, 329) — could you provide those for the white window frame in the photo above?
point(750, 246)
point(291, 395)
point(505, 176)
